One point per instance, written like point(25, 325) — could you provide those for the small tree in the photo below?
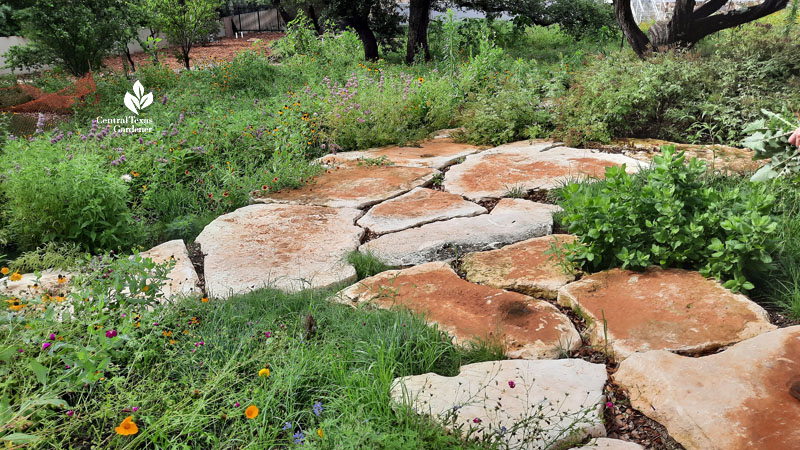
point(75, 34)
point(689, 23)
point(185, 22)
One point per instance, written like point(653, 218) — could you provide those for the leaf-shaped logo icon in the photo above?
point(138, 100)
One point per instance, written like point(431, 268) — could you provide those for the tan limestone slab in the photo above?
point(353, 187)
point(492, 173)
point(673, 309)
point(737, 399)
point(288, 247)
point(609, 444)
point(522, 267)
point(529, 328)
point(511, 220)
point(551, 404)
point(182, 279)
point(417, 207)
point(436, 153)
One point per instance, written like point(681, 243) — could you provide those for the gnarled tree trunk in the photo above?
point(419, 17)
point(361, 26)
point(689, 24)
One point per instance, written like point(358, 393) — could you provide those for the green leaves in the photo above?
point(671, 216)
point(769, 139)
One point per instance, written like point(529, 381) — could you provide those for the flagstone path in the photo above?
point(479, 266)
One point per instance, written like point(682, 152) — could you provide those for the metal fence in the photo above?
point(251, 16)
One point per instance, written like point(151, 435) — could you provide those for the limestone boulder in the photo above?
point(512, 220)
point(288, 247)
point(675, 310)
point(418, 207)
point(182, 279)
point(737, 399)
point(522, 267)
point(353, 186)
point(436, 153)
point(527, 327)
point(493, 173)
point(516, 403)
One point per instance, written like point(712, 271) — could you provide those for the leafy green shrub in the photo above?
point(70, 198)
point(668, 216)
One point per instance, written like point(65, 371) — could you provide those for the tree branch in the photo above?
point(709, 25)
point(635, 36)
point(708, 8)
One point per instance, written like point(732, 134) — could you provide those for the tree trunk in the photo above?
point(630, 29)
point(186, 59)
point(419, 17)
point(312, 14)
point(361, 26)
point(284, 15)
point(130, 59)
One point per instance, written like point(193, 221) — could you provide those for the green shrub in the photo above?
point(669, 216)
point(59, 199)
point(52, 255)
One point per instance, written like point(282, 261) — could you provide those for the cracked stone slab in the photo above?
point(512, 220)
point(672, 309)
point(493, 173)
point(288, 247)
point(519, 404)
point(736, 399)
point(417, 207)
point(522, 267)
point(354, 187)
point(527, 327)
point(182, 279)
point(437, 154)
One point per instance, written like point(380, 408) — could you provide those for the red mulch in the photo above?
point(224, 49)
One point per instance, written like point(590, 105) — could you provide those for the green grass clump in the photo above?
point(366, 264)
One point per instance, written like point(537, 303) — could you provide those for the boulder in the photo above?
point(675, 310)
point(522, 267)
point(288, 247)
point(737, 399)
point(512, 220)
point(493, 173)
point(353, 187)
point(516, 403)
point(182, 279)
point(437, 154)
point(527, 327)
point(418, 207)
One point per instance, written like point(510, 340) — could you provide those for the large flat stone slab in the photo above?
point(734, 400)
point(551, 403)
point(182, 279)
point(436, 153)
point(609, 444)
point(512, 220)
point(528, 328)
point(673, 309)
point(288, 247)
point(492, 173)
point(418, 207)
point(522, 267)
point(354, 187)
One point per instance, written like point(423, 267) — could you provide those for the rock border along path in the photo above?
point(298, 239)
